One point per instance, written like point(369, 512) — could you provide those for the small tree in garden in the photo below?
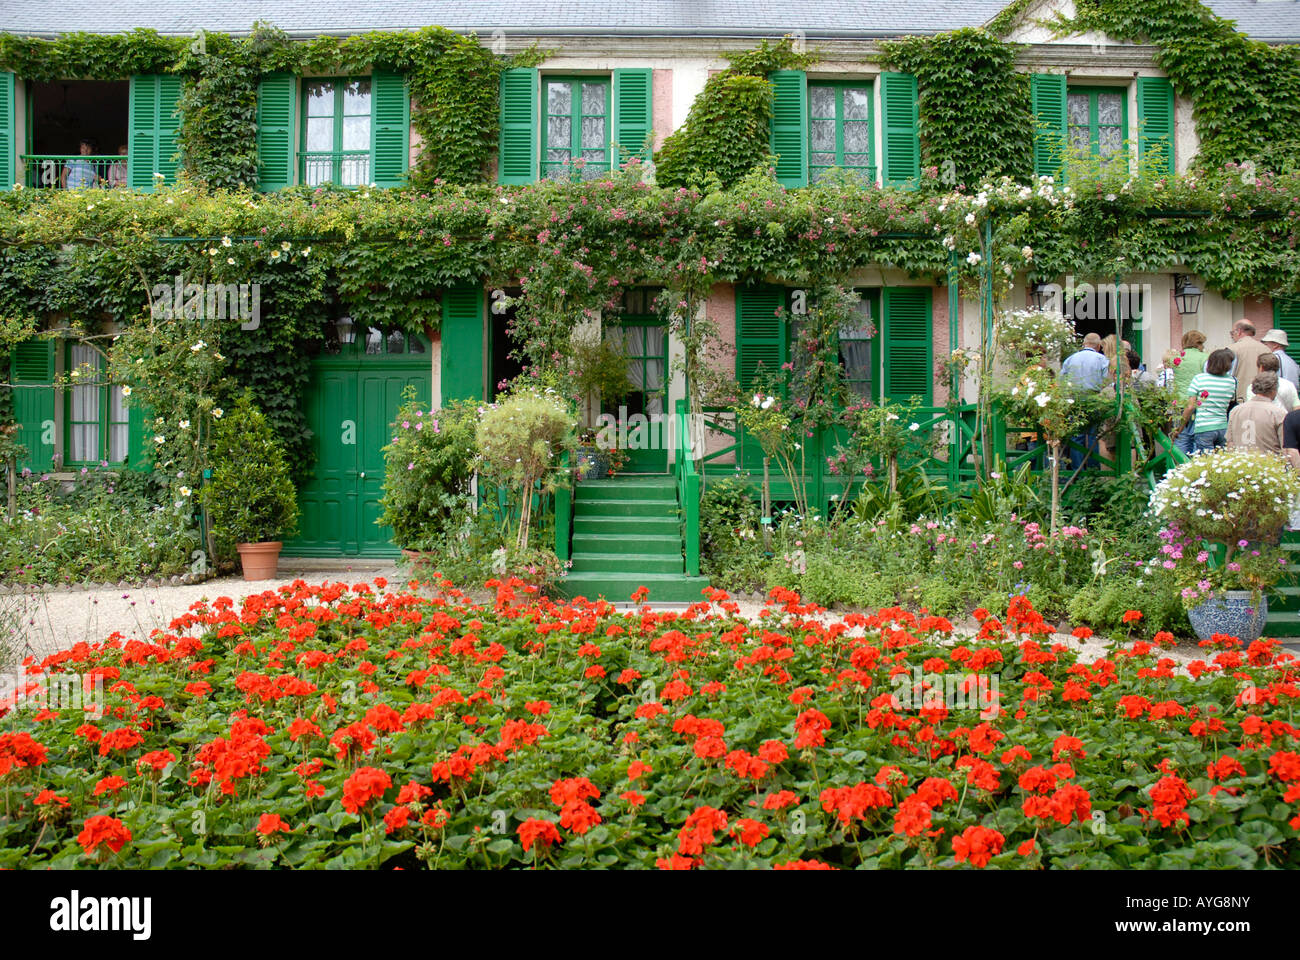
point(520, 441)
point(250, 498)
point(808, 393)
point(1031, 342)
point(765, 418)
point(1042, 398)
point(885, 431)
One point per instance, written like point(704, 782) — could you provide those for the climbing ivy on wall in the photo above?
point(975, 121)
point(453, 78)
point(1245, 93)
point(726, 131)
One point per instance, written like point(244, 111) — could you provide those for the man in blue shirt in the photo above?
point(1086, 371)
point(80, 172)
point(1277, 341)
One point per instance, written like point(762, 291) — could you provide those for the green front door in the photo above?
point(647, 432)
point(352, 400)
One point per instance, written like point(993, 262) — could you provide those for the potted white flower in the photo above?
point(1231, 506)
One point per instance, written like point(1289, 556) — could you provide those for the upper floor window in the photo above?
point(573, 127)
point(577, 128)
point(90, 134)
point(840, 128)
point(1096, 120)
point(336, 131)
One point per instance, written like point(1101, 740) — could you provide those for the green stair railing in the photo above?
point(688, 488)
point(952, 460)
point(564, 510)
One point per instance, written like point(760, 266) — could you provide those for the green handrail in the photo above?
point(688, 489)
point(563, 510)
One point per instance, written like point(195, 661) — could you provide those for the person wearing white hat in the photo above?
point(1277, 341)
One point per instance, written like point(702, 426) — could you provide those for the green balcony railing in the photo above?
point(51, 171)
point(343, 168)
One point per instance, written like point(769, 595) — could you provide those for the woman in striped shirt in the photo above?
point(1209, 395)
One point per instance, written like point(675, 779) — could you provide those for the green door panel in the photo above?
point(351, 402)
point(380, 395)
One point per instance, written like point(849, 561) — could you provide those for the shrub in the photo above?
point(428, 467)
point(250, 498)
point(1228, 495)
point(101, 529)
point(520, 441)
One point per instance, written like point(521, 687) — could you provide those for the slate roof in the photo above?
point(1264, 19)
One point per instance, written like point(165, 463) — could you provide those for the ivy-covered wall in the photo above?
point(453, 81)
point(1245, 93)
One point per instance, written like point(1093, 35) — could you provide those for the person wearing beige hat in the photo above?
point(1277, 341)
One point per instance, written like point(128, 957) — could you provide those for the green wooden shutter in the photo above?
point(517, 150)
point(789, 135)
point(462, 343)
point(1286, 316)
point(906, 343)
point(277, 103)
point(1155, 96)
point(1047, 91)
point(8, 161)
point(151, 139)
point(760, 332)
point(760, 339)
point(31, 365)
point(139, 437)
point(902, 145)
point(390, 129)
point(633, 112)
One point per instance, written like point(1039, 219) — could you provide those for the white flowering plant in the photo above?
point(1039, 397)
point(884, 432)
point(1227, 496)
point(1030, 332)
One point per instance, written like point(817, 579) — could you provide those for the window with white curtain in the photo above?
point(97, 416)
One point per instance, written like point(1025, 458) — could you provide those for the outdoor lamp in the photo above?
point(1040, 295)
point(1187, 295)
point(347, 330)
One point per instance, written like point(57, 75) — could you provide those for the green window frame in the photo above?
point(643, 336)
point(576, 123)
point(96, 420)
point(860, 348)
point(1090, 120)
point(830, 126)
point(336, 146)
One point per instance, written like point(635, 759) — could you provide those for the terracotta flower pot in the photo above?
point(420, 560)
point(259, 560)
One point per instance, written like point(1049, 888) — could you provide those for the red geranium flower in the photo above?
point(533, 831)
point(367, 784)
point(978, 845)
point(749, 832)
point(272, 823)
point(108, 831)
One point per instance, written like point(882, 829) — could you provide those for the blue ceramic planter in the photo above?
point(592, 463)
point(1234, 612)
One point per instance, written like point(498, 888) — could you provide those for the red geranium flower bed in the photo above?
point(361, 727)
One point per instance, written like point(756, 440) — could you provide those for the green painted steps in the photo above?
point(1284, 603)
point(627, 533)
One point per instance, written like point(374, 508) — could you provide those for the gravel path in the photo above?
point(54, 619)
